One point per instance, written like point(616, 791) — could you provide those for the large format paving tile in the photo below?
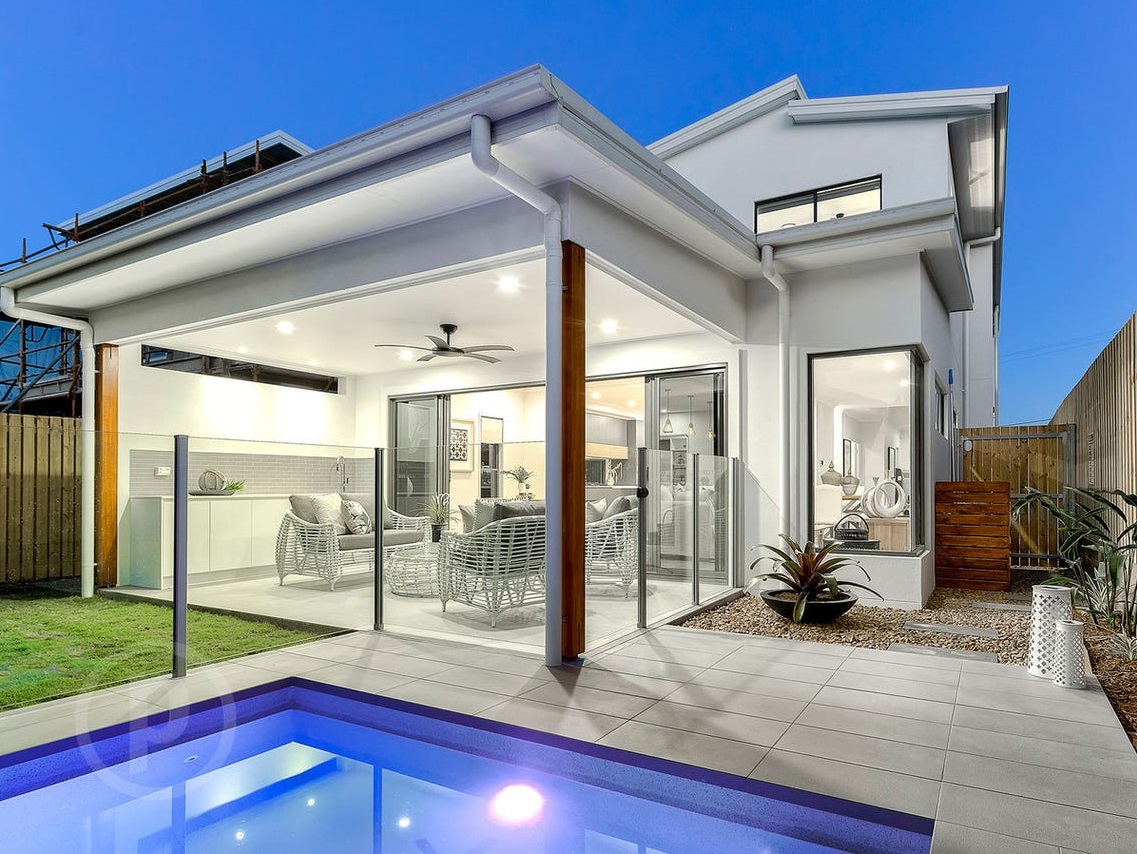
point(754, 684)
point(1040, 821)
point(914, 759)
point(1006, 671)
point(571, 723)
point(755, 666)
point(738, 727)
point(357, 678)
point(390, 662)
point(573, 696)
point(1120, 765)
point(885, 704)
point(467, 701)
point(78, 718)
point(751, 656)
point(657, 652)
point(721, 700)
point(916, 795)
point(518, 665)
point(645, 667)
point(677, 637)
point(1079, 707)
point(888, 727)
point(704, 751)
point(508, 684)
point(1109, 736)
point(957, 839)
point(1071, 788)
point(200, 684)
point(620, 683)
point(760, 642)
point(1034, 687)
point(896, 686)
point(900, 671)
point(909, 658)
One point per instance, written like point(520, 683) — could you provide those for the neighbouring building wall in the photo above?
point(770, 156)
point(1103, 408)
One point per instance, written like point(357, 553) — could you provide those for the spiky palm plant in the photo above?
point(808, 572)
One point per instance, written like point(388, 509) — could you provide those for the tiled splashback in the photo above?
point(264, 474)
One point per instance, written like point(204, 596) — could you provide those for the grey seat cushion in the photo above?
point(515, 509)
point(401, 538)
point(352, 542)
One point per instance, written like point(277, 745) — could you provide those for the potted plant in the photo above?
point(812, 593)
point(438, 513)
point(522, 475)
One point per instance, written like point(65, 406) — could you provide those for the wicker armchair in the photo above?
point(611, 549)
point(495, 568)
point(307, 548)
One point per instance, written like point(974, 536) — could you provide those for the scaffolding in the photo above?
point(39, 369)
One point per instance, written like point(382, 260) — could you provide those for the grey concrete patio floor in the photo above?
point(1003, 761)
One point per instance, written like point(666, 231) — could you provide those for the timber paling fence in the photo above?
point(40, 461)
point(1039, 457)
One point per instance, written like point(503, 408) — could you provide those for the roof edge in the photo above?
point(759, 104)
point(859, 223)
point(935, 103)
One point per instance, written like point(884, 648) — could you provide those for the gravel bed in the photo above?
point(878, 627)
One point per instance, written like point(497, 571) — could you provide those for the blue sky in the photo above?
point(100, 98)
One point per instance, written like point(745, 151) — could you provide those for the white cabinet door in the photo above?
point(229, 530)
point(267, 514)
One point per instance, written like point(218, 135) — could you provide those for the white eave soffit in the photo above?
point(949, 104)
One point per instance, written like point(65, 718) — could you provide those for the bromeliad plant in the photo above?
point(437, 509)
point(809, 572)
point(1099, 549)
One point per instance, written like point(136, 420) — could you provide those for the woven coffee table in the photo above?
point(413, 571)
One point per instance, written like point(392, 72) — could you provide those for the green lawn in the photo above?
point(55, 645)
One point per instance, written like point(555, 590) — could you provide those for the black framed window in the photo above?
point(234, 369)
point(819, 205)
point(866, 438)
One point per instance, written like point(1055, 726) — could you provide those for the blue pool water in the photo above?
point(301, 767)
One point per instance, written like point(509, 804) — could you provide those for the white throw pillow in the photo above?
point(329, 511)
point(594, 510)
point(355, 518)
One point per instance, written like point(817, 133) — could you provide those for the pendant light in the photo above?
point(711, 421)
point(690, 415)
point(667, 428)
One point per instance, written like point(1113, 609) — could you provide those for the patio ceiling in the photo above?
point(339, 338)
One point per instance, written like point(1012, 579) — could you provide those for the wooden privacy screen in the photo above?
point(1033, 457)
point(973, 535)
point(39, 498)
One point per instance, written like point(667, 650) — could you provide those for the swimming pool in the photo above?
point(296, 766)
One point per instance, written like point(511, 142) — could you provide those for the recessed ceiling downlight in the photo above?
point(285, 327)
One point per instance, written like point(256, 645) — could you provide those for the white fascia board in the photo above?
point(946, 103)
point(738, 113)
point(866, 223)
point(507, 96)
point(266, 141)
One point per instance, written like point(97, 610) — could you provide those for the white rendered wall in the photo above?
point(980, 365)
point(770, 156)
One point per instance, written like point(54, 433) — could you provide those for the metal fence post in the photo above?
point(181, 521)
point(737, 563)
point(380, 503)
point(694, 490)
point(641, 541)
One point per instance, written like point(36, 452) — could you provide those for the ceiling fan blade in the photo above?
point(438, 342)
point(405, 347)
point(490, 359)
point(483, 347)
point(426, 358)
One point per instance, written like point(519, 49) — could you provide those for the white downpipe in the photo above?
point(965, 368)
point(486, 163)
point(771, 274)
point(86, 425)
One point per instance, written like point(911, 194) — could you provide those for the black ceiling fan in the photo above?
point(448, 350)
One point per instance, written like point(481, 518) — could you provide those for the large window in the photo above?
point(865, 484)
point(818, 205)
point(215, 366)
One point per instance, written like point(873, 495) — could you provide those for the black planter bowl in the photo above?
point(816, 610)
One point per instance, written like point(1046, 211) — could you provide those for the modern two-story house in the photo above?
point(768, 322)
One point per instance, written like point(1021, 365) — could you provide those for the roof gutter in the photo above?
point(10, 307)
point(480, 153)
point(771, 274)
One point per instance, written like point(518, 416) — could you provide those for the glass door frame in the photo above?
point(441, 403)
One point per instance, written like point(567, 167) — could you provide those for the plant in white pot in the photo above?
point(521, 475)
point(812, 592)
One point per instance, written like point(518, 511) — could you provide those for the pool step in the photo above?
point(1001, 606)
point(945, 629)
point(943, 652)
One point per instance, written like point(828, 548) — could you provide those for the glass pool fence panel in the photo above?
point(716, 525)
point(59, 643)
point(611, 548)
point(280, 543)
point(668, 519)
point(472, 579)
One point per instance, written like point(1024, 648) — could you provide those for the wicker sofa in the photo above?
point(306, 546)
point(498, 566)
